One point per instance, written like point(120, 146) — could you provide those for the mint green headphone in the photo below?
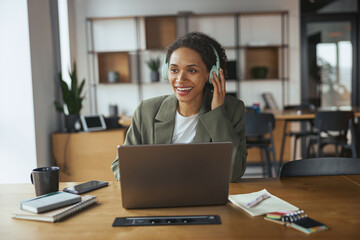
point(215, 68)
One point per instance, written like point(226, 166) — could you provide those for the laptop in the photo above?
point(174, 175)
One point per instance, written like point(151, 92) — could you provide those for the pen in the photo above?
point(257, 200)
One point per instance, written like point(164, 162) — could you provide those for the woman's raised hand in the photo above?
point(219, 89)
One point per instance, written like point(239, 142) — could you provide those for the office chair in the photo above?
point(302, 134)
point(257, 126)
point(332, 128)
point(357, 135)
point(320, 167)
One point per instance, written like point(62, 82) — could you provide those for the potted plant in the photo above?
point(259, 72)
point(72, 100)
point(154, 64)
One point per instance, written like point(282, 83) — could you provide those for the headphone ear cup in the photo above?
point(213, 69)
point(165, 70)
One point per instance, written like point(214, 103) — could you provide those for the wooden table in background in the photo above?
point(332, 200)
point(306, 115)
point(85, 156)
point(280, 117)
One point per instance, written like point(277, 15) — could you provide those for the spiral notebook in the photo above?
point(297, 220)
point(58, 214)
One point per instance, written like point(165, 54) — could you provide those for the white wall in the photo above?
point(26, 88)
point(17, 127)
point(82, 9)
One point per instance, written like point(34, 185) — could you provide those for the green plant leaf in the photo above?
point(71, 96)
point(74, 83)
point(58, 106)
point(81, 86)
point(153, 64)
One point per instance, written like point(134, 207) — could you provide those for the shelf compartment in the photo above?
point(114, 61)
point(160, 32)
point(262, 57)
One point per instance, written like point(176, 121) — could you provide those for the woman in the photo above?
point(197, 111)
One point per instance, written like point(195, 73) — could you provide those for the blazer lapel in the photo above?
point(165, 121)
point(202, 134)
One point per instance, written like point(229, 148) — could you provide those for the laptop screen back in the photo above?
point(173, 175)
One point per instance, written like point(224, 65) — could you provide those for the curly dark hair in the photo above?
point(203, 45)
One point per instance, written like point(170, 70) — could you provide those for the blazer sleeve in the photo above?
point(133, 137)
point(226, 123)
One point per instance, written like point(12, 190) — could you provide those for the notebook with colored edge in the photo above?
point(297, 220)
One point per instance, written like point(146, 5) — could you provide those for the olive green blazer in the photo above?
point(154, 120)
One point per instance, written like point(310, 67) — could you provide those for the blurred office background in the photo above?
point(317, 54)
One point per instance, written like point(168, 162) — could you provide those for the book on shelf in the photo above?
point(58, 214)
point(297, 220)
point(49, 202)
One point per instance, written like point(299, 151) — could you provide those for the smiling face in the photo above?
point(188, 75)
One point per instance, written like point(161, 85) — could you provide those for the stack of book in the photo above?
point(53, 207)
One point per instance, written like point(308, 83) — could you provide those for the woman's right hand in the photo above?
point(219, 89)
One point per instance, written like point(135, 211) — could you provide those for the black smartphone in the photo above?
point(86, 187)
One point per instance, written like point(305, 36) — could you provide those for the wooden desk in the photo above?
point(354, 178)
point(332, 200)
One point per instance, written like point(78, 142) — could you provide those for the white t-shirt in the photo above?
point(185, 128)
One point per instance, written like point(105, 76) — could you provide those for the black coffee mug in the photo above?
point(45, 180)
